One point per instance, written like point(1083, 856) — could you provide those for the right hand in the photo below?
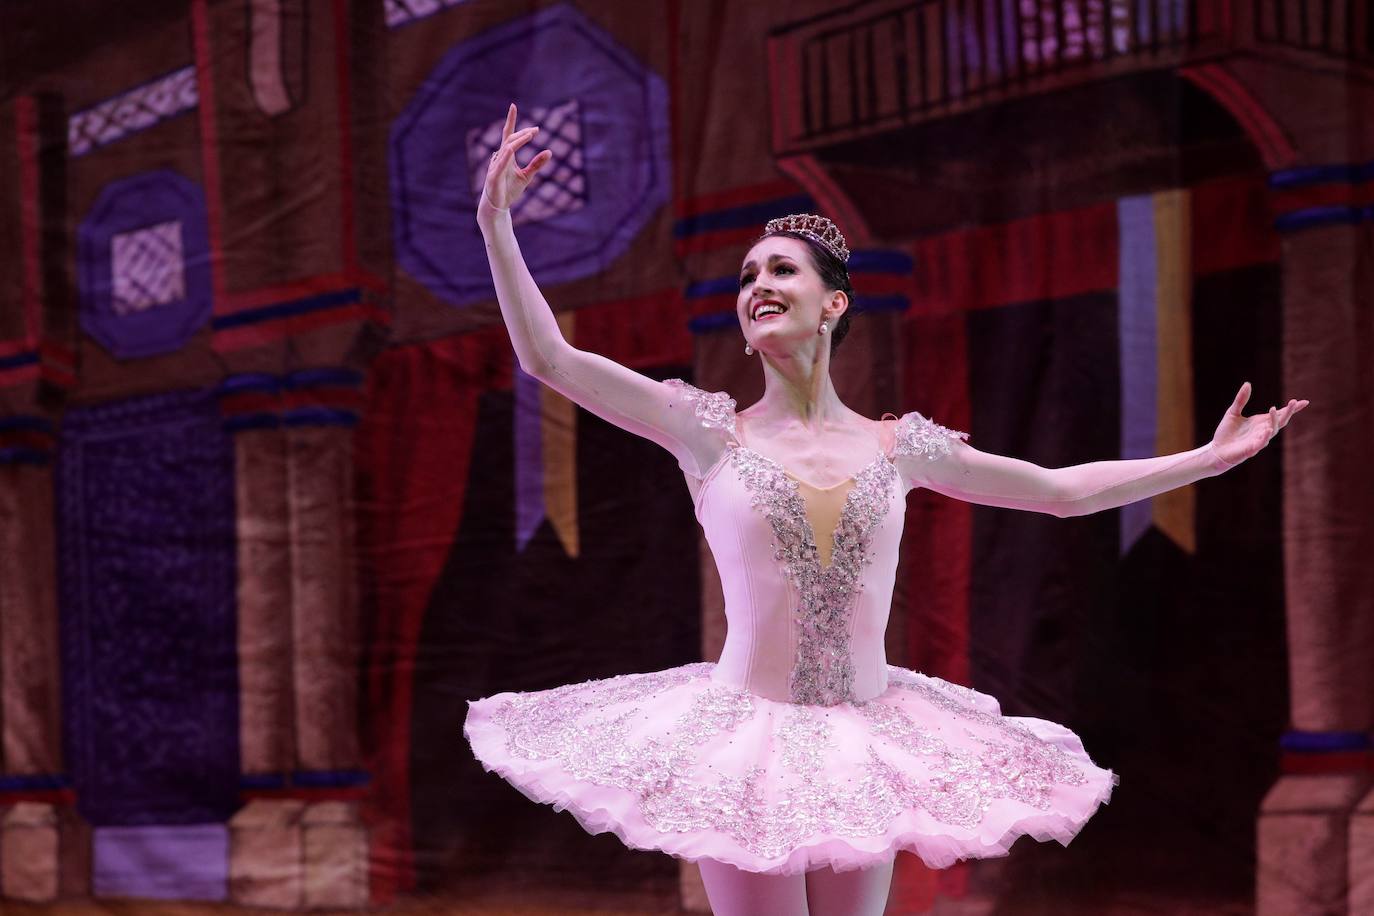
point(1239, 437)
point(505, 180)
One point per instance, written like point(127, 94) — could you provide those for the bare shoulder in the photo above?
point(886, 427)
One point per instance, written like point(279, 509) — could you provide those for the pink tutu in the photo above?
point(801, 747)
point(678, 762)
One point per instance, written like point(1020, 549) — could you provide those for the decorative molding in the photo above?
point(328, 396)
point(401, 12)
point(594, 209)
point(1322, 195)
point(1264, 131)
point(132, 111)
point(143, 264)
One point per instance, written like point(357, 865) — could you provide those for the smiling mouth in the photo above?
point(767, 309)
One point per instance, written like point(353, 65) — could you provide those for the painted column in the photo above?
point(250, 404)
point(30, 704)
point(275, 79)
point(44, 845)
point(324, 606)
point(322, 407)
point(1314, 836)
point(264, 836)
point(299, 841)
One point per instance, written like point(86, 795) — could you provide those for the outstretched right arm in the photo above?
point(618, 395)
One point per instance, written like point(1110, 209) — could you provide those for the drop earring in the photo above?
point(748, 350)
point(824, 327)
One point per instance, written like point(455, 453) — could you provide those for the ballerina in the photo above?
point(795, 768)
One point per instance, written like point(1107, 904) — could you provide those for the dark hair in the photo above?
point(833, 273)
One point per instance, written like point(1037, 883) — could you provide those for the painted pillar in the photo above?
point(296, 84)
point(30, 702)
point(324, 599)
point(250, 404)
point(1315, 819)
point(299, 841)
point(264, 836)
point(322, 407)
point(44, 845)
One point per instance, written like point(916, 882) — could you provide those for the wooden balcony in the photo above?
point(885, 64)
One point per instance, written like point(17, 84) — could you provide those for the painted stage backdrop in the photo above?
point(275, 500)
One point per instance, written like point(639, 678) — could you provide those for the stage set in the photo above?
point(276, 500)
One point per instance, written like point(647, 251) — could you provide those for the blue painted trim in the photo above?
point(21, 455)
point(880, 261)
point(1322, 216)
point(330, 779)
point(287, 309)
point(1318, 742)
point(703, 324)
point(893, 303)
point(252, 421)
point(319, 416)
point(872, 261)
point(717, 286)
point(714, 321)
point(249, 381)
point(35, 782)
point(262, 781)
point(31, 423)
point(739, 217)
point(27, 358)
point(1307, 176)
point(329, 376)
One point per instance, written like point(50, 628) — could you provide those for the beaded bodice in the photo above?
point(799, 629)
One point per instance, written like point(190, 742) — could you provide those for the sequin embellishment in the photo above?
point(918, 435)
point(611, 733)
point(823, 670)
point(716, 408)
point(548, 723)
point(1013, 763)
point(805, 740)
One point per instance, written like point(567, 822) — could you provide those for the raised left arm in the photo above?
point(1080, 489)
point(934, 457)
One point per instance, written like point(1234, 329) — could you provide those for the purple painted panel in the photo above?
point(143, 264)
point(169, 863)
point(603, 114)
point(149, 665)
point(1137, 299)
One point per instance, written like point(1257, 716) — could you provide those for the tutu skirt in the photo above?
point(678, 762)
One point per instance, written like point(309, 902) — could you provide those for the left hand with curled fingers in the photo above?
point(1239, 437)
point(505, 180)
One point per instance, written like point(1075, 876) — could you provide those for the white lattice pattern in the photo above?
point(148, 268)
point(132, 111)
point(399, 12)
point(1084, 26)
point(561, 186)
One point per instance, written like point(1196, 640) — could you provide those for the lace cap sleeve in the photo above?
point(715, 408)
point(918, 435)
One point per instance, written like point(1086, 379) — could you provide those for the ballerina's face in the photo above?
point(782, 298)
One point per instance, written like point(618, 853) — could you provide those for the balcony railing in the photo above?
point(1342, 29)
point(893, 62)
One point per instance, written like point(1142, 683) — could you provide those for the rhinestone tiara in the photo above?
point(814, 227)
